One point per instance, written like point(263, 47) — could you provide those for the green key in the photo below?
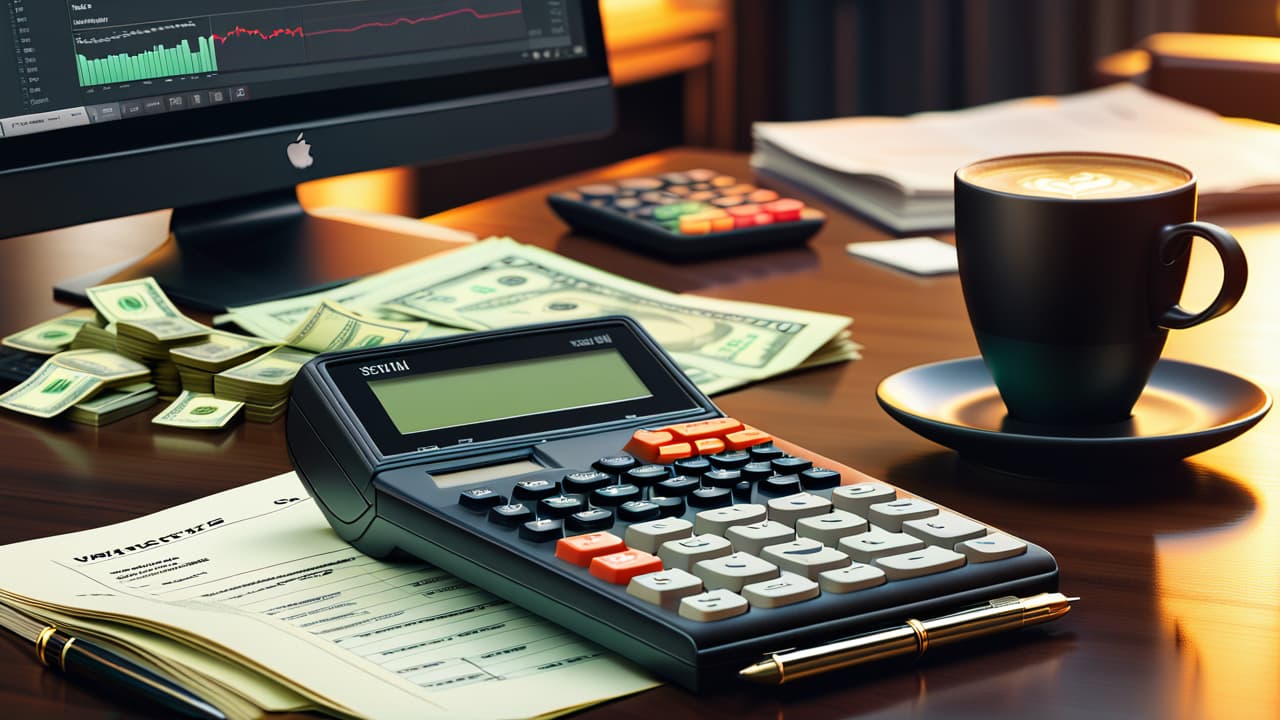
point(675, 210)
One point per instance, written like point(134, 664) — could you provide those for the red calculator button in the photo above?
point(784, 210)
point(715, 427)
point(580, 549)
point(740, 211)
point(763, 218)
point(618, 568)
point(745, 438)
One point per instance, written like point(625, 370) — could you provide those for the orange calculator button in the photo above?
point(745, 438)
point(715, 427)
point(647, 441)
point(581, 549)
point(709, 446)
point(618, 568)
point(668, 454)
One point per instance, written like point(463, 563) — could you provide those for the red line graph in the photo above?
point(238, 31)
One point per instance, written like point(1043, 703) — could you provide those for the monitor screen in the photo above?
point(218, 108)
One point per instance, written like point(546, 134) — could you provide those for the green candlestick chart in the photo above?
point(157, 62)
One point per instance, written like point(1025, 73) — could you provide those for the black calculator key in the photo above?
point(534, 489)
point(616, 464)
point(722, 478)
point(693, 467)
point(678, 486)
point(710, 497)
point(639, 511)
point(742, 491)
point(819, 479)
point(559, 506)
point(780, 485)
point(669, 506)
point(543, 530)
point(598, 190)
point(788, 465)
point(510, 515)
point(756, 471)
point(646, 475)
point(730, 460)
point(584, 481)
point(480, 499)
point(614, 495)
point(589, 520)
point(765, 452)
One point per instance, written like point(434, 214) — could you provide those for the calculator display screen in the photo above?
point(463, 396)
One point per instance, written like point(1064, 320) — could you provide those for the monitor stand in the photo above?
point(264, 247)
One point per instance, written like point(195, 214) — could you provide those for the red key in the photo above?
point(582, 549)
point(784, 210)
point(620, 567)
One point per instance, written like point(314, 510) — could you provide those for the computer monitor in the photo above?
point(219, 108)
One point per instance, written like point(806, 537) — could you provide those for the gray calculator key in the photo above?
point(712, 605)
point(858, 497)
point(996, 546)
point(828, 529)
point(858, 576)
point(925, 561)
point(805, 556)
point(785, 589)
point(787, 510)
point(733, 571)
point(683, 554)
point(944, 529)
point(890, 515)
point(878, 542)
point(757, 536)
point(665, 587)
point(717, 520)
point(649, 536)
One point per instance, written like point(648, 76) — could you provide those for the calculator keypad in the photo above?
point(738, 529)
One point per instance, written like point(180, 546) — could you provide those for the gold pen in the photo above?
point(913, 637)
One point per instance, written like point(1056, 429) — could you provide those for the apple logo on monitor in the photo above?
point(299, 152)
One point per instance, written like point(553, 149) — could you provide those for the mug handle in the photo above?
point(1175, 240)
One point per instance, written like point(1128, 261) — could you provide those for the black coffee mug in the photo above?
point(1072, 265)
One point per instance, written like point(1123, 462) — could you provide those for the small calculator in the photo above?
point(572, 469)
point(688, 215)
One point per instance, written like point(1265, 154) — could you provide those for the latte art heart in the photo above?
point(1076, 176)
point(1081, 184)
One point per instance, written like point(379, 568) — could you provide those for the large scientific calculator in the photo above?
point(573, 469)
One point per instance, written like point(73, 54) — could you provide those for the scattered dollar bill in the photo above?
point(51, 336)
point(198, 411)
point(51, 390)
point(330, 326)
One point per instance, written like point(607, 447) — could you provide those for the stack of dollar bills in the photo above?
point(198, 363)
point(53, 336)
point(114, 404)
point(263, 383)
point(95, 335)
point(70, 378)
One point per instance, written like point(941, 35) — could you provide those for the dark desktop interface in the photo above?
point(71, 63)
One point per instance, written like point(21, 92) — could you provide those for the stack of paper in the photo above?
point(249, 599)
point(899, 171)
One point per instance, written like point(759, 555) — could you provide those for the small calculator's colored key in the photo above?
point(618, 568)
point(715, 427)
point(582, 549)
point(745, 438)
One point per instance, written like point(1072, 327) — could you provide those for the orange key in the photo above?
point(709, 446)
point(620, 567)
point(719, 224)
point(668, 454)
point(647, 442)
point(694, 226)
point(748, 210)
point(581, 549)
point(745, 438)
point(762, 196)
point(715, 427)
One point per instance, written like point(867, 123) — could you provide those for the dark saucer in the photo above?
point(1185, 409)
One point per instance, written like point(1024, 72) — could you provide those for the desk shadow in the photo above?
point(685, 276)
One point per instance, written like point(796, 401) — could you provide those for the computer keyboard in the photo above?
point(693, 214)
point(17, 365)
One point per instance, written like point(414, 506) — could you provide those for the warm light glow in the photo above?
point(1218, 48)
point(1208, 579)
point(392, 191)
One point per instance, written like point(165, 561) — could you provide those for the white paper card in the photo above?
point(920, 255)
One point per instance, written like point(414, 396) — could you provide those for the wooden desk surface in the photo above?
point(1180, 574)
